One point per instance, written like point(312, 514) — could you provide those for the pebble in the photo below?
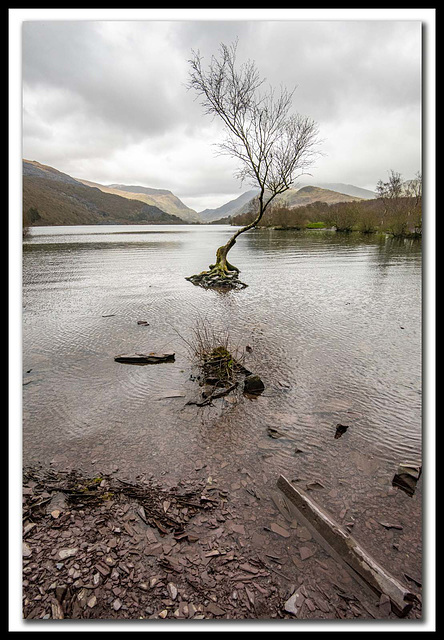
point(172, 590)
point(294, 603)
point(117, 604)
point(67, 553)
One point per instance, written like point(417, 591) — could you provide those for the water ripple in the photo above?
point(334, 325)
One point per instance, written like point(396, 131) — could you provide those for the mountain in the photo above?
point(347, 189)
point(291, 199)
point(228, 209)
point(301, 197)
point(307, 194)
point(161, 198)
point(55, 198)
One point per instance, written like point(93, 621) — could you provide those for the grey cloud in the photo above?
point(97, 93)
point(76, 56)
point(338, 64)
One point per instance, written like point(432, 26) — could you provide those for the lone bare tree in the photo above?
point(274, 147)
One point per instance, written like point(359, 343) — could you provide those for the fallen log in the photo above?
point(145, 358)
point(338, 539)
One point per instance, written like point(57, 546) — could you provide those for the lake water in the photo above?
point(334, 322)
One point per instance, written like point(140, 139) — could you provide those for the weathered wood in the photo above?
point(145, 358)
point(213, 395)
point(350, 551)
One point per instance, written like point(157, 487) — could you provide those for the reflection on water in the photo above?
point(334, 322)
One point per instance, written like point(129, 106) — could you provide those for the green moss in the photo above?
point(315, 225)
point(220, 352)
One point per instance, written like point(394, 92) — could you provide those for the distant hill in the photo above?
point(236, 211)
point(56, 198)
point(293, 198)
point(230, 208)
point(161, 198)
point(347, 189)
point(307, 195)
point(301, 197)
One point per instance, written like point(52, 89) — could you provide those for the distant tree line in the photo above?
point(396, 210)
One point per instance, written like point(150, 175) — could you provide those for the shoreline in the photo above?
point(92, 551)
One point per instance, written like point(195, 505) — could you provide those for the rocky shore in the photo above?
point(107, 548)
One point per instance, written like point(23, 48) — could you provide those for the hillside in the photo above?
point(292, 199)
point(55, 198)
point(161, 198)
point(228, 209)
point(301, 197)
point(347, 189)
point(309, 194)
point(58, 199)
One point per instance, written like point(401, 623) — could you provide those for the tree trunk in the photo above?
point(222, 273)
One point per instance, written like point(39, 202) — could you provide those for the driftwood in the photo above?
point(213, 395)
point(168, 510)
point(354, 557)
point(146, 358)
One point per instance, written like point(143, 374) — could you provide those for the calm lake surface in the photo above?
point(334, 322)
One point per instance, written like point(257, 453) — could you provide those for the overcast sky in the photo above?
point(106, 100)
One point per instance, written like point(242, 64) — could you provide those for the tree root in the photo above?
point(218, 278)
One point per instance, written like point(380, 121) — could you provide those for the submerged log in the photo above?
point(146, 358)
point(349, 550)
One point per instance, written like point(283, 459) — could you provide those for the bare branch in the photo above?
point(272, 145)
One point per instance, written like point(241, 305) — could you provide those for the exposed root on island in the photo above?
point(208, 280)
point(218, 278)
point(222, 275)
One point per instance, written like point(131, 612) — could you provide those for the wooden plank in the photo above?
point(349, 550)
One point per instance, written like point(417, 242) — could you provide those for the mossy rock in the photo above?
point(253, 385)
